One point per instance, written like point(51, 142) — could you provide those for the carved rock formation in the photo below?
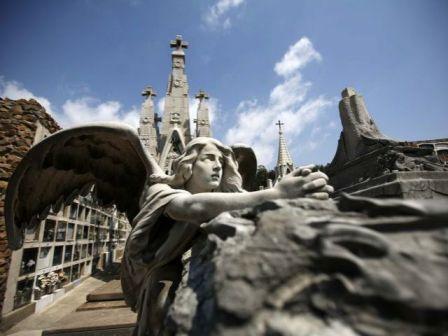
point(305, 267)
point(370, 164)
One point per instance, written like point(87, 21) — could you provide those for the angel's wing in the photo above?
point(67, 164)
point(247, 165)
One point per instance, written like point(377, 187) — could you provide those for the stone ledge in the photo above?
point(403, 185)
point(109, 292)
point(95, 322)
point(102, 305)
point(14, 317)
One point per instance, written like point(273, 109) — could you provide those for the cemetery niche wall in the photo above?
point(67, 246)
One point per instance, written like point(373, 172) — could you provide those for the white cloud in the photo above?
point(161, 106)
point(86, 109)
point(297, 57)
point(74, 111)
point(290, 92)
point(15, 90)
point(216, 15)
point(287, 102)
point(193, 109)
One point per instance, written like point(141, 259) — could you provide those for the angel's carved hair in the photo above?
point(183, 166)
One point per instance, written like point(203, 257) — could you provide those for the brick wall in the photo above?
point(18, 124)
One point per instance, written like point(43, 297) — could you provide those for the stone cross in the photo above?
point(201, 95)
point(149, 92)
point(178, 43)
point(279, 124)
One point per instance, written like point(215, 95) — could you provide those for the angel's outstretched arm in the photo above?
point(201, 207)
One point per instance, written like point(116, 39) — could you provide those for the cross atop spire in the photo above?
point(179, 43)
point(280, 124)
point(148, 92)
point(203, 119)
point(201, 95)
point(284, 161)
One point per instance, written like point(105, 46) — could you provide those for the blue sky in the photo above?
point(259, 60)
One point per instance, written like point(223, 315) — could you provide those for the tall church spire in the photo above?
point(284, 161)
point(203, 119)
point(148, 122)
point(175, 132)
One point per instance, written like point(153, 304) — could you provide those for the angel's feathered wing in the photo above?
point(68, 163)
point(247, 165)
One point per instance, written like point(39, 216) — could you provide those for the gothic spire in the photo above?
point(203, 119)
point(148, 122)
point(284, 162)
point(175, 132)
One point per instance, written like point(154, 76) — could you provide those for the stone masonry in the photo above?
point(20, 122)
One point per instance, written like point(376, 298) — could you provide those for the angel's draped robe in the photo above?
point(155, 242)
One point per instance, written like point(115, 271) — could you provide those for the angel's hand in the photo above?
point(321, 193)
point(302, 182)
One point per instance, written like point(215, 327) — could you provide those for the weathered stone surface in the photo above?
point(102, 305)
point(17, 131)
point(111, 291)
point(304, 267)
point(365, 154)
point(96, 322)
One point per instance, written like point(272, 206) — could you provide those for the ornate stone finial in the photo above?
point(201, 95)
point(178, 43)
point(149, 92)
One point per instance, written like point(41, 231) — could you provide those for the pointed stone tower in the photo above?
point(175, 132)
point(203, 119)
point(148, 123)
point(284, 161)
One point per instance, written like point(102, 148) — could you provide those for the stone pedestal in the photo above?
point(406, 185)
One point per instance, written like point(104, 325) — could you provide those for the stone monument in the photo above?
point(370, 164)
point(165, 220)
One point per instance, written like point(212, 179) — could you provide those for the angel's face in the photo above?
point(207, 170)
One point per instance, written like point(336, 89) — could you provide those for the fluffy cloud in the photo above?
point(297, 57)
point(14, 90)
point(87, 109)
point(161, 106)
point(77, 111)
point(216, 16)
point(84, 110)
point(287, 102)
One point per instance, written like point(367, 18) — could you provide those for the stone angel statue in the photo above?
point(166, 212)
